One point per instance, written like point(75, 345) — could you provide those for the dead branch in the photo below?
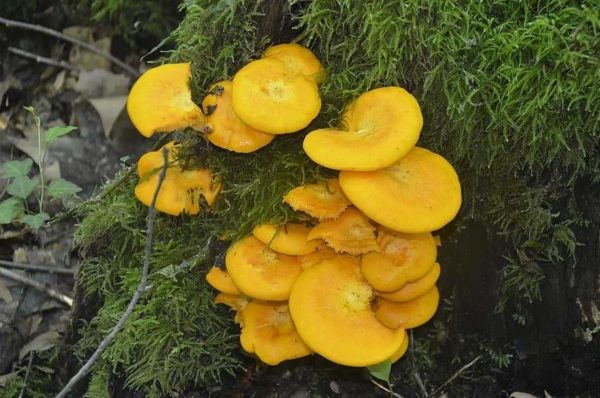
point(136, 296)
point(51, 32)
point(455, 375)
point(37, 285)
point(43, 60)
point(37, 268)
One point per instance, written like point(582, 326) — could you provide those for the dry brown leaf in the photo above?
point(42, 342)
point(109, 109)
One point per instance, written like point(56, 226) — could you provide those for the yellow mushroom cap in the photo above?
point(379, 128)
point(420, 193)
point(331, 308)
point(350, 233)
point(287, 239)
point(402, 350)
point(221, 281)
point(401, 258)
point(298, 59)
point(409, 314)
point(322, 200)
point(271, 98)
point(161, 100)
point(412, 290)
point(233, 301)
point(181, 189)
point(268, 332)
point(260, 272)
point(227, 130)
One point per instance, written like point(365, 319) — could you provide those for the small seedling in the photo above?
point(21, 186)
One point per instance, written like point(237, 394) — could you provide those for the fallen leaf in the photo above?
point(100, 83)
point(42, 342)
point(6, 378)
point(45, 369)
point(36, 320)
point(4, 292)
point(547, 395)
point(109, 109)
point(518, 394)
point(85, 58)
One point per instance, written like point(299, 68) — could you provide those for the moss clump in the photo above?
point(174, 338)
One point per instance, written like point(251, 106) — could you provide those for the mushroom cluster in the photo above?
point(348, 284)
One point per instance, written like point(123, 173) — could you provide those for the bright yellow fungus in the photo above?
point(378, 128)
point(420, 193)
point(287, 239)
point(331, 308)
point(322, 200)
point(161, 100)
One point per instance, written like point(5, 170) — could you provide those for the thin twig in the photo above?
point(43, 60)
point(51, 32)
point(136, 296)
point(455, 375)
point(384, 388)
point(38, 268)
point(37, 285)
point(26, 374)
point(417, 378)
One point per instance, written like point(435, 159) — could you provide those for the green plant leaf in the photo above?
point(9, 210)
point(61, 188)
point(54, 133)
point(35, 221)
point(17, 168)
point(22, 187)
point(381, 370)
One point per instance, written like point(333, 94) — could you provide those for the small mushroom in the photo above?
point(226, 129)
point(409, 314)
point(287, 239)
point(274, 99)
point(412, 290)
point(181, 189)
point(268, 332)
point(379, 128)
point(221, 281)
point(402, 258)
point(322, 200)
point(331, 308)
point(420, 193)
point(235, 302)
point(161, 100)
point(260, 272)
point(298, 59)
point(350, 233)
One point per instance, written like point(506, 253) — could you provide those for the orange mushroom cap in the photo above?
point(299, 59)
point(379, 128)
point(412, 290)
point(161, 100)
point(221, 281)
point(402, 350)
point(350, 233)
point(287, 239)
point(409, 314)
point(227, 130)
point(268, 332)
point(234, 302)
point(260, 272)
point(322, 200)
point(271, 98)
point(402, 258)
point(420, 193)
point(180, 190)
point(331, 307)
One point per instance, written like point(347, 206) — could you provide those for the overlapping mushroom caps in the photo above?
point(378, 128)
point(181, 189)
point(419, 193)
point(289, 238)
point(278, 93)
point(224, 128)
point(161, 100)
